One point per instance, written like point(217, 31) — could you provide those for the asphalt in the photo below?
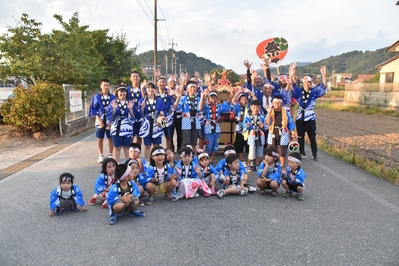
point(348, 217)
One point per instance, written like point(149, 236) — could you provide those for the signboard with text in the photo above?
point(75, 101)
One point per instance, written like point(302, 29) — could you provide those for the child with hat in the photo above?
point(66, 196)
point(294, 176)
point(269, 173)
point(123, 195)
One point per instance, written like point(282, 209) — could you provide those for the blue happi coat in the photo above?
point(97, 107)
point(57, 192)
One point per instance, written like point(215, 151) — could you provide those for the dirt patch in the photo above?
point(17, 146)
point(373, 137)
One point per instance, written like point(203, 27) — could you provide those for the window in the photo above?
point(389, 77)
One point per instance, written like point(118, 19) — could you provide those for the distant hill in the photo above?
point(355, 62)
point(188, 62)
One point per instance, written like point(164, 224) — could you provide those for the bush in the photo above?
point(35, 109)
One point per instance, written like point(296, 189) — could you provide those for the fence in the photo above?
point(77, 117)
point(384, 95)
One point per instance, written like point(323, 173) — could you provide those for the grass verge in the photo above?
point(391, 174)
point(367, 110)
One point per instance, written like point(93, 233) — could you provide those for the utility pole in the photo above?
point(166, 65)
point(155, 38)
point(173, 57)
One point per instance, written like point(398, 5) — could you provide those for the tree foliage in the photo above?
point(35, 109)
point(74, 54)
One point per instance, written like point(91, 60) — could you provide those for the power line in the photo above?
point(136, 14)
point(145, 12)
point(149, 9)
point(167, 21)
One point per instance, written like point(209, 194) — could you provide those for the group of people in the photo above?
point(144, 113)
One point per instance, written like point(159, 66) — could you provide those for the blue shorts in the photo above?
point(156, 141)
point(136, 128)
point(168, 131)
point(212, 142)
point(100, 133)
point(121, 141)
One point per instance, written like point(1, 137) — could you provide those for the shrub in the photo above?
point(35, 109)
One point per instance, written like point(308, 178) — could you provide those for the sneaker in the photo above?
point(137, 213)
point(221, 193)
point(112, 219)
point(110, 155)
point(141, 202)
point(287, 194)
point(196, 195)
point(92, 201)
point(249, 169)
point(315, 158)
point(100, 158)
point(262, 192)
point(274, 194)
point(303, 155)
point(76, 209)
point(104, 205)
point(300, 196)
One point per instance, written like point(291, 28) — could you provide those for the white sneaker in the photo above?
point(196, 195)
point(100, 158)
point(110, 155)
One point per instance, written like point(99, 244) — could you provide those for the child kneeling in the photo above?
point(123, 196)
point(269, 172)
point(233, 178)
point(294, 176)
point(66, 196)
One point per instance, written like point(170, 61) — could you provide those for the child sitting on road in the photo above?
point(104, 182)
point(222, 164)
point(294, 176)
point(209, 171)
point(233, 178)
point(269, 172)
point(123, 196)
point(136, 176)
point(159, 178)
point(188, 172)
point(66, 196)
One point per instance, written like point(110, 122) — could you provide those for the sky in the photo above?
point(227, 32)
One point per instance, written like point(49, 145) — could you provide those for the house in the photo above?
point(340, 79)
point(389, 70)
point(361, 78)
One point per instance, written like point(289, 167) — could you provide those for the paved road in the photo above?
point(348, 217)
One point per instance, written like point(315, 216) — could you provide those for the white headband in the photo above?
point(275, 100)
point(185, 153)
point(229, 152)
point(295, 160)
point(127, 172)
point(203, 155)
point(134, 149)
point(158, 151)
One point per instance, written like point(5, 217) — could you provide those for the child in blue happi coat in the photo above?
point(233, 178)
point(210, 173)
point(123, 196)
point(269, 173)
point(294, 176)
point(104, 181)
point(66, 196)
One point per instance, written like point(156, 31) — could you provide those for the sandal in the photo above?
point(149, 201)
point(171, 198)
point(262, 192)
